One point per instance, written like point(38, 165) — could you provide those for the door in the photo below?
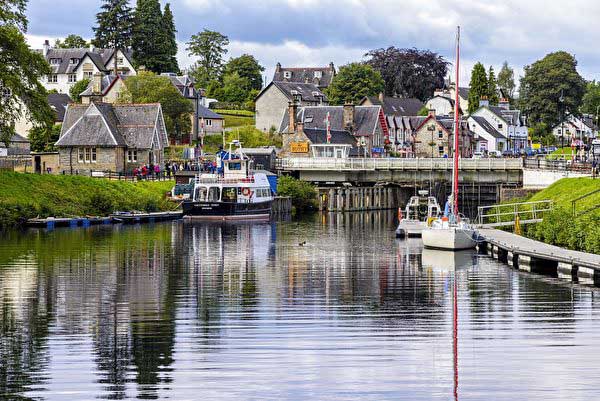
point(339, 153)
point(37, 164)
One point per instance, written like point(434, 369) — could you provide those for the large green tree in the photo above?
point(550, 87)
point(248, 68)
point(21, 93)
point(409, 72)
point(170, 41)
point(492, 92)
point(71, 42)
point(77, 88)
point(210, 48)
point(147, 87)
point(353, 82)
point(43, 138)
point(591, 100)
point(115, 26)
point(235, 88)
point(148, 41)
point(478, 87)
point(506, 81)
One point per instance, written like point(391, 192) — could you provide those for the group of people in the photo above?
point(147, 171)
point(152, 171)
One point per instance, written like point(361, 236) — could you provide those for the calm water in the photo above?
point(190, 311)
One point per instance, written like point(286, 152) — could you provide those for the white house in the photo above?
point(509, 122)
point(581, 128)
point(72, 65)
point(492, 138)
point(442, 105)
point(449, 92)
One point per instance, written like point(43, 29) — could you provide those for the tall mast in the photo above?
point(456, 126)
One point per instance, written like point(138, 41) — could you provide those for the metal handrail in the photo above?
point(517, 211)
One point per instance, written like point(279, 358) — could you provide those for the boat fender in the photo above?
point(399, 214)
point(246, 192)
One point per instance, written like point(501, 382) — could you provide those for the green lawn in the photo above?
point(236, 118)
point(24, 196)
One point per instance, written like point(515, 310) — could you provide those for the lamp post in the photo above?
point(561, 100)
point(431, 128)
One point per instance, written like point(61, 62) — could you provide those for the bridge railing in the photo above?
point(329, 163)
point(506, 214)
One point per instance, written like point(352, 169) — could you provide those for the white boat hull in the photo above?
point(450, 238)
point(410, 228)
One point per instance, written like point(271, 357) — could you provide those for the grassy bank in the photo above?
point(24, 196)
point(237, 118)
point(561, 228)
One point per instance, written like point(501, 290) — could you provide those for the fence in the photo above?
point(558, 165)
point(16, 163)
point(506, 214)
point(114, 175)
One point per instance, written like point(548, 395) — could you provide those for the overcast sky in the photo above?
point(315, 32)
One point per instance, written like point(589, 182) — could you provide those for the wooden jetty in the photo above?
point(51, 222)
point(534, 256)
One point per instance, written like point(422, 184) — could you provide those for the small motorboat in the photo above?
point(419, 212)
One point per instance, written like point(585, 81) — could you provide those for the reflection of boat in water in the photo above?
point(419, 211)
point(448, 260)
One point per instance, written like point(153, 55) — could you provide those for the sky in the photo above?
point(315, 32)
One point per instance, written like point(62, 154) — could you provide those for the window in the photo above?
point(120, 60)
point(88, 74)
point(52, 78)
point(287, 74)
point(499, 126)
point(80, 155)
point(86, 155)
point(72, 78)
point(318, 74)
point(229, 195)
point(93, 155)
point(132, 156)
point(55, 61)
point(74, 61)
point(441, 150)
point(440, 135)
point(208, 122)
point(200, 195)
point(214, 194)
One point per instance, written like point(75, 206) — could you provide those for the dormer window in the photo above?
point(318, 74)
point(74, 61)
point(55, 61)
point(287, 74)
point(120, 60)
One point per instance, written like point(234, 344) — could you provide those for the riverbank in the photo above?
point(579, 232)
point(25, 196)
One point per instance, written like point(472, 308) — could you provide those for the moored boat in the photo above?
point(419, 212)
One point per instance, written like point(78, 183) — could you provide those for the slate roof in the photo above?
point(266, 150)
point(308, 92)
point(108, 125)
point(16, 138)
point(105, 83)
point(464, 92)
point(98, 56)
point(318, 136)
point(58, 102)
point(512, 117)
point(398, 106)
point(184, 83)
point(305, 75)
point(366, 118)
point(205, 112)
point(487, 127)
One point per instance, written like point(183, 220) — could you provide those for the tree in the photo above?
point(591, 99)
point(209, 47)
point(547, 81)
point(148, 39)
point(71, 42)
point(353, 82)
point(43, 138)
point(147, 87)
point(77, 88)
point(478, 86)
point(423, 111)
point(492, 92)
point(409, 72)
point(170, 41)
point(506, 81)
point(235, 88)
point(115, 26)
point(248, 68)
point(21, 93)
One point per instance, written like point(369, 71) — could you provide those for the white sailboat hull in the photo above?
point(450, 238)
point(410, 228)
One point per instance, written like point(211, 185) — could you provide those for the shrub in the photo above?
point(303, 194)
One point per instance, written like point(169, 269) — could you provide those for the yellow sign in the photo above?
point(299, 147)
point(536, 145)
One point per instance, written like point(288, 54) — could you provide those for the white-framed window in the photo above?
point(499, 126)
point(440, 135)
point(74, 61)
point(55, 61)
point(88, 74)
point(80, 155)
point(318, 74)
point(287, 74)
point(208, 122)
point(72, 78)
point(94, 155)
point(120, 60)
point(132, 156)
point(86, 155)
point(441, 150)
point(52, 78)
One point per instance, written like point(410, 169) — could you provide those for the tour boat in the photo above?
point(419, 212)
point(452, 232)
point(233, 192)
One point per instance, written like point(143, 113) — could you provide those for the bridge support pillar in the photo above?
point(331, 200)
point(340, 200)
point(566, 271)
point(586, 275)
point(495, 251)
point(510, 259)
point(347, 199)
point(524, 263)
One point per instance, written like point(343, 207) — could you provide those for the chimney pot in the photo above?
point(292, 111)
point(46, 47)
point(381, 97)
point(348, 116)
point(278, 67)
point(97, 83)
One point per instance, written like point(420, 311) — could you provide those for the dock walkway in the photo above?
point(534, 256)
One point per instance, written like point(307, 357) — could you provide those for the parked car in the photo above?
point(494, 153)
point(509, 153)
point(529, 152)
point(552, 149)
point(477, 155)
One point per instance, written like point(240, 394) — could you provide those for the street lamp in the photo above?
point(431, 128)
point(561, 100)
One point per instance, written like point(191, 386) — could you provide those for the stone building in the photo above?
point(434, 137)
point(319, 76)
point(107, 137)
point(272, 102)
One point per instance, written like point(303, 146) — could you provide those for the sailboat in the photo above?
point(452, 231)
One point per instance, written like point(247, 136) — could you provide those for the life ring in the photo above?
point(246, 191)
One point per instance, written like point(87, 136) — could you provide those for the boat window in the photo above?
point(214, 194)
point(229, 194)
point(200, 194)
point(235, 166)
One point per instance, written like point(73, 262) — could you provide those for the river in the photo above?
point(331, 307)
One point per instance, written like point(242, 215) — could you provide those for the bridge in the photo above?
point(397, 170)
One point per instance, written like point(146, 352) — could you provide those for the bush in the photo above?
point(303, 194)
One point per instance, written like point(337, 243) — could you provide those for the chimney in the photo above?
point(431, 113)
point(348, 116)
point(46, 47)
point(278, 67)
point(92, 47)
point(504, 103)
point(97, 83)
point(300, 127)
point(331, 67)
point(483, 101)
point(292, 111)
point(381, 97)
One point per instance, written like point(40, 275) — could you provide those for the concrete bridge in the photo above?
point(402, 171)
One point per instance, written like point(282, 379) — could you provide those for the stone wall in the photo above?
point(107, 159)
point(270, 108)
point(507, 194)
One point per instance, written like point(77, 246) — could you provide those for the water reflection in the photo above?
point(328, 307)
